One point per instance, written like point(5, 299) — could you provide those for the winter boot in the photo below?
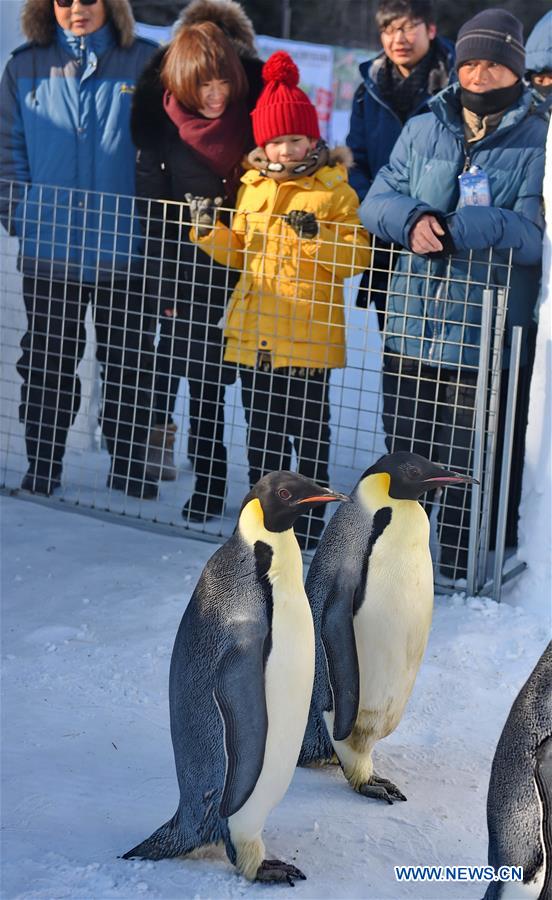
point(134, 484)
point(207, 501)
point(160, 461)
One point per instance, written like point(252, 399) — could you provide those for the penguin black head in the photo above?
point(284, 496)
point(411, 475)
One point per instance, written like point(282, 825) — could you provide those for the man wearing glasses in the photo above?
point(67, 167)
point(415, 64)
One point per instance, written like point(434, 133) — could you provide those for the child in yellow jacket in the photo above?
point(295, 237)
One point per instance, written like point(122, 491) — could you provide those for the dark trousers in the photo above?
point(432, 412)
point(285, 411)
point(374, 285)
point(52, 349)
point(196, 351)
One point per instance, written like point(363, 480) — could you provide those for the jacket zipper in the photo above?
point(467, 157)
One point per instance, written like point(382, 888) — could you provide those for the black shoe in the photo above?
point(143, 489)
point(450, 573)
point(200, 508)
point(36, 484)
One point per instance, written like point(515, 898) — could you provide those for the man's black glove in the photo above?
point(203, 212)
point(303, 223)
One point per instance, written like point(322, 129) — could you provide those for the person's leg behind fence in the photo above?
point(52, 348)
point(264, 402)
point(124, 328)
point(308, 420)
point(456, 440)
point(170, 363)
point(208, 377)
point(410, 409)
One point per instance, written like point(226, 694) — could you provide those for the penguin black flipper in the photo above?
point(338, 640)
point(338, 635)
point(240, 696)
point(331, 587)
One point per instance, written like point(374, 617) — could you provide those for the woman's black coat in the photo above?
point(179, 274)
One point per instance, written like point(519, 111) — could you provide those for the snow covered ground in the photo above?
point(90, 611)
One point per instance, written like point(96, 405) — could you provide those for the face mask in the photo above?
point(491, 101)
point(545, 90)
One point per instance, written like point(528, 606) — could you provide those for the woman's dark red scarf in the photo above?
point(220, 143)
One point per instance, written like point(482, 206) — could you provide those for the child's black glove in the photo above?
point(303, 223)
point(203, 212)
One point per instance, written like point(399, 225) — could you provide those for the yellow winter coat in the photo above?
point(289, 299)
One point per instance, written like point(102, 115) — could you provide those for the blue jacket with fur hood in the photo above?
point(434, 305)
point(64, 131)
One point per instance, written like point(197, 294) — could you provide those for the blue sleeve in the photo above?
point(14, 162)
point(360, 176)
point(519, 229)
point(388, 210)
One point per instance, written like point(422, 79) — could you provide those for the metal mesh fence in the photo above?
point(154, 375)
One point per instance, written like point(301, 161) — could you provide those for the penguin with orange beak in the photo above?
point(240, 684)
point(370, 586)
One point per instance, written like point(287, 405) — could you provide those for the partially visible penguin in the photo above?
point(241, 680)
point(519, 803)
point(370, 586)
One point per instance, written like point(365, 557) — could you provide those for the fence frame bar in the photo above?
point(492, 423)
point(509, 424)
point(478, 440)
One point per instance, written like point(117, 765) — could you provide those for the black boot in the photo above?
point(45, 461)
point(39, 484)
point(133, 481)
point(207, 500)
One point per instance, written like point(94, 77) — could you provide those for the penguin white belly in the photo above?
point(393, 622)
point(289, 677)
point(515, 890)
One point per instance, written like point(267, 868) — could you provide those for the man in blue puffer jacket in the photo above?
point(485, 127)
point(67, 178)
point(414, 65)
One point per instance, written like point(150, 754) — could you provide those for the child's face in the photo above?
point(289, 148)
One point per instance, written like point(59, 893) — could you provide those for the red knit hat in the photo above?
point(282, 108)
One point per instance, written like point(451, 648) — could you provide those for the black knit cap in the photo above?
point(493, 34)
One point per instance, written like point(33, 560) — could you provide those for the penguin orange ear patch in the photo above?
point(375, 489)
point(251, 520)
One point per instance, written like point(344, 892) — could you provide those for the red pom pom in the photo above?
point(280, 67)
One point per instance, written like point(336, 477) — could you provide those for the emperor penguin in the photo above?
point(240, 683)
point(519, 802)
point(370, 586)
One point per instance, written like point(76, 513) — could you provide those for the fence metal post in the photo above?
point(513, 379)
point(478, 441)
point(493, 423)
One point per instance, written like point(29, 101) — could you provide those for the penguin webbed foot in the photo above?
point(276, 870)
point(381, 789)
